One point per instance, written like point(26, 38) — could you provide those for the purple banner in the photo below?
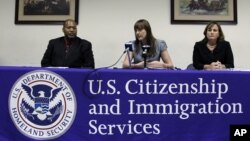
point(122, 105)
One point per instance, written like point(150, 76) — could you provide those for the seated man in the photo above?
point(69, 50)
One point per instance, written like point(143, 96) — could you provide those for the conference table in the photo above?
point(66, 104)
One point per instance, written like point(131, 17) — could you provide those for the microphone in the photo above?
point(128, 48)
point(145, 49)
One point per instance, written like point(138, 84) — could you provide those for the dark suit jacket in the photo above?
point(78, 55)
point(202, 55)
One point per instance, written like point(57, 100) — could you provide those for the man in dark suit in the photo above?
point(69, 50)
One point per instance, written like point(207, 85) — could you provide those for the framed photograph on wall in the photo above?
point(46, 11)
point(203, 11)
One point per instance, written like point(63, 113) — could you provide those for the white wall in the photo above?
point(108, 24)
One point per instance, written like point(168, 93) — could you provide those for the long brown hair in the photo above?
point(150, 39)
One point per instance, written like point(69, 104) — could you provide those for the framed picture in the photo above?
point(203, 11)
point(46, 11)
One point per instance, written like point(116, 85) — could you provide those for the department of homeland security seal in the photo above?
point(42, 105)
